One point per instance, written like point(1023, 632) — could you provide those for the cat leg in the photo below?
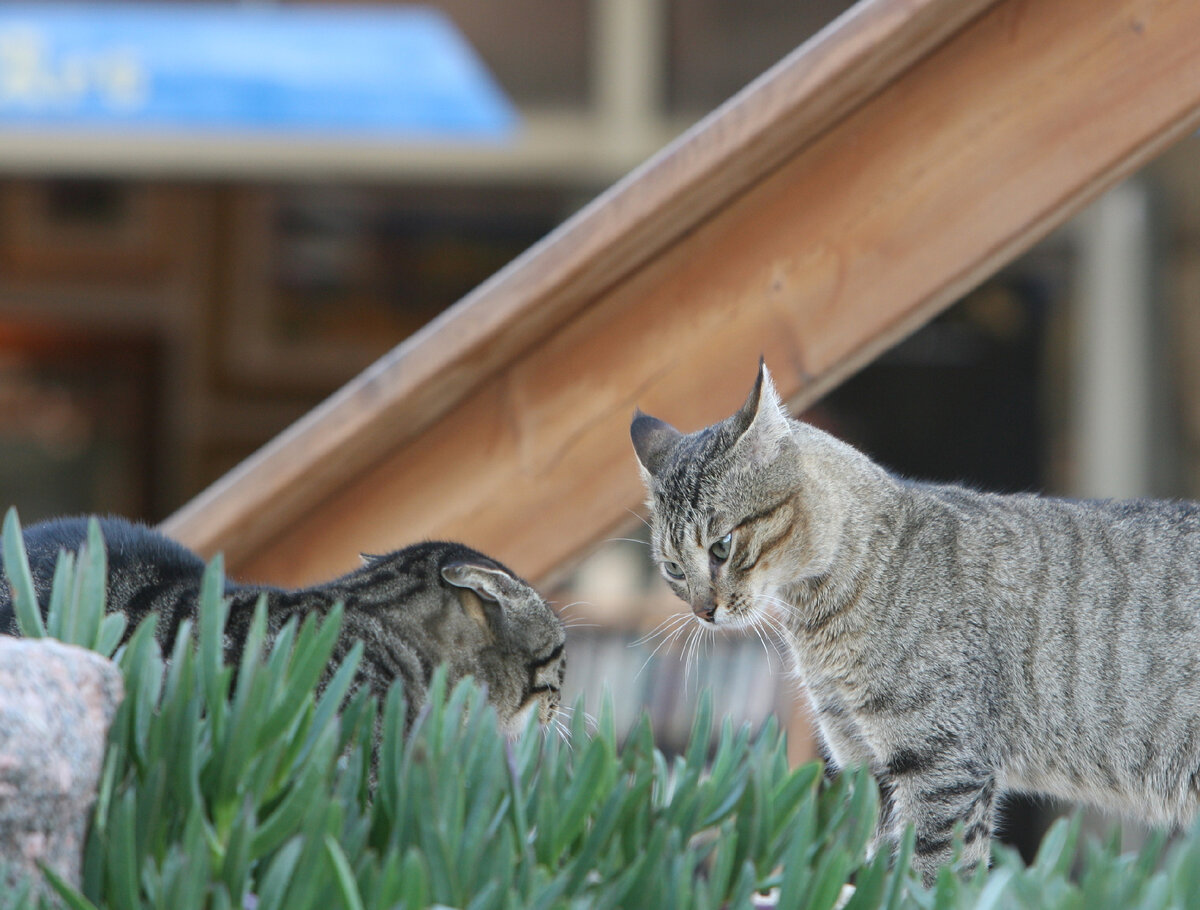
point(841, 741)
point(936, 794)
point(882, 839)
point(841, 745)
point(886, 828)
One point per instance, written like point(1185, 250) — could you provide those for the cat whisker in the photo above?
point(767, 615)
point(780, 652)
point(775, 624)
point(589, 719)
point(644, 543)
point(763, 642)
point(568, 711)
point(639, 518)
point(574, 622)
point(564, 732)
point(661, 628)
point(695, 642)
point(553, 729)
point(773, 619)
point(781, 641)
point(655, 632)
point(673, 636)
point(572, 605)
point(668, 639)
point(687, 654)
point(563, 714)
point(580, 624)
point(774, 601)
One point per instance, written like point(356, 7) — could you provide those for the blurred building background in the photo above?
point(166, 307)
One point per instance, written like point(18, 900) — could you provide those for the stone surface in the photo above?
point(56, 704)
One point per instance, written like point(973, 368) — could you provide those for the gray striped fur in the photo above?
point(961, 644)
point(428, 604)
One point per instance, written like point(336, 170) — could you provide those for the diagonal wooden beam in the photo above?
point(842, 200)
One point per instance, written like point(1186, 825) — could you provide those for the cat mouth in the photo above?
point(731, 618)
point(745, 615)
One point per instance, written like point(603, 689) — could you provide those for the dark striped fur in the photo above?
point(428, 604)
point(959, 643)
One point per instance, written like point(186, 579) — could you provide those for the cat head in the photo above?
point(463, 609)
point(520, 641)
point(724, 509)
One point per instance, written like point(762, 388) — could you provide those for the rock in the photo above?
point(56, 704)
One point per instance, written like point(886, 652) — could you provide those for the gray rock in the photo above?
point(56, 704)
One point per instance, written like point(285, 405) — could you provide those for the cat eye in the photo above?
point(674, 569)
point(720, 550)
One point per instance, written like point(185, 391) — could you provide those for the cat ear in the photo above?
point(761, 424)
point(489, 582)
point(369, 558)
point(749, 410)
point(478, 587)
point(475, 607)
point(652, 439)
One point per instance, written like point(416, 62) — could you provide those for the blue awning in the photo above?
point(398, 72)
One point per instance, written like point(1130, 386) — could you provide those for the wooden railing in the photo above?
point(841, 200)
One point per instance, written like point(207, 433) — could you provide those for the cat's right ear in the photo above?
point(652, 439)
point(477, 586)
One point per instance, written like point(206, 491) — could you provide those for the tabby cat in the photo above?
point(961, 644)
point(416, 608)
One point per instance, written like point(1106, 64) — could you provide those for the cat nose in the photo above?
point(705, 609)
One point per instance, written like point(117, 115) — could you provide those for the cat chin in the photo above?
point(515, 725)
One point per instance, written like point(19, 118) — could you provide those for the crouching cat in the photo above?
point(425, 605)
point(960, 644)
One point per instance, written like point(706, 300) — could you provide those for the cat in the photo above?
point(428, 604)
point(961, 644)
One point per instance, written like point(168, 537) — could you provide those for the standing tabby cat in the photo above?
point(961, 644)
point(428, 604)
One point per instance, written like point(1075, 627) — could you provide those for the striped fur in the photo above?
point(428, 604)
point(961, 644)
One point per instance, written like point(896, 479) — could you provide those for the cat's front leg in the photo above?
point(841, 745)
point(936, 793)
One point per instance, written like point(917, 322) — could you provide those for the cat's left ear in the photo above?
point(761, 424)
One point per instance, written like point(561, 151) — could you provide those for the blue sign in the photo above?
point(403, 72)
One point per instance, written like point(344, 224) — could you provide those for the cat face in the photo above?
point(724, 507)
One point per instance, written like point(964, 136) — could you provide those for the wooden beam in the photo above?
point(406, 391)
point(841, 201)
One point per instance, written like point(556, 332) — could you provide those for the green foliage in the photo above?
point(230, 787)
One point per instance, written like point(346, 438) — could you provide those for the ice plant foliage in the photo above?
point(227, 787)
